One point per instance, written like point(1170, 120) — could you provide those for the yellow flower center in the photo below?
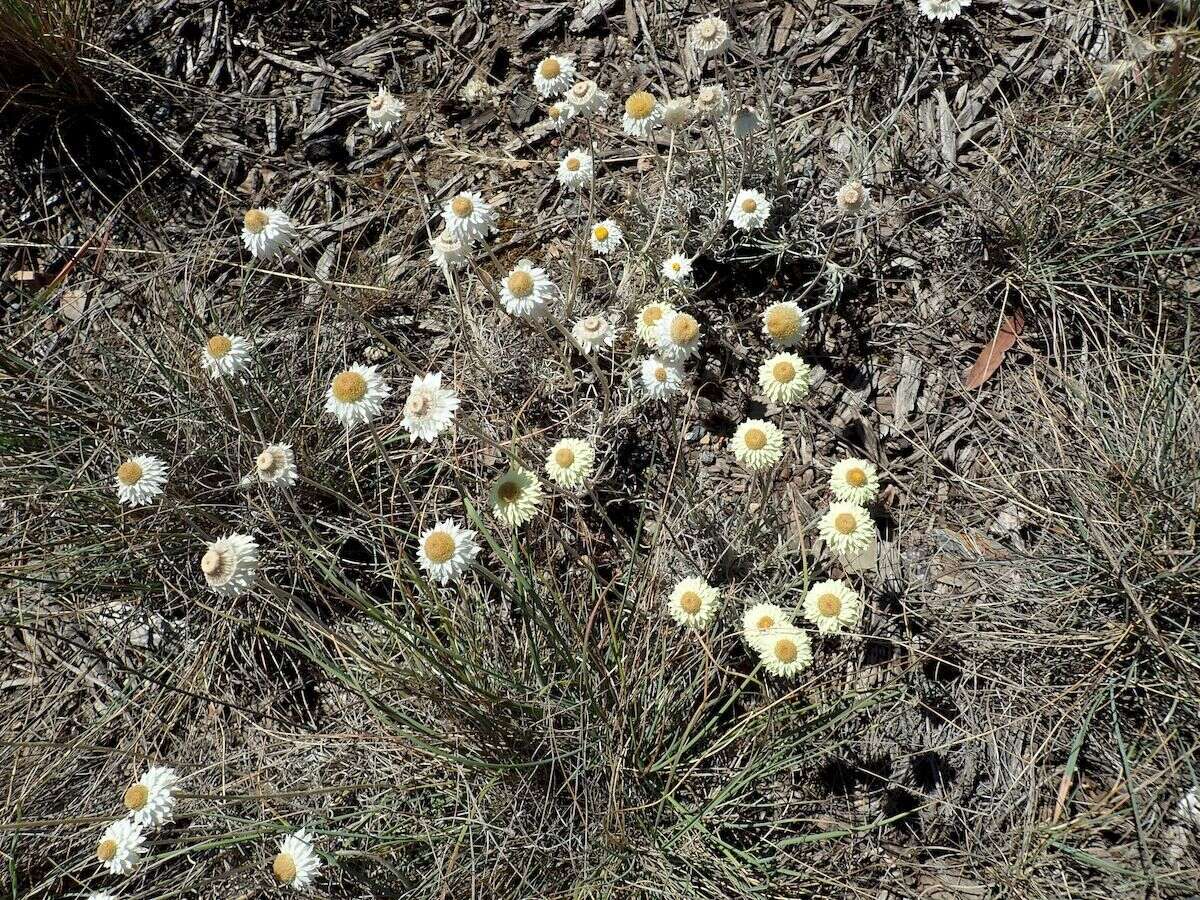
point(845, 523)
point(829, 605)
point(462, 206)
point(520, 284)
point(684, 329)
point(210, 562)
point(284, 868)
point(651, 315)
point(136, 797)
point(783, 372)
point(439, 547)
point(509, 491)
point(572, 164)
point(639, 105)
point(857, 477)
point(765, 622)
point(660, 374)
point(256, 220)
point(553, 111)
point(782, 322)
point(756, 438)
point(564, 457)
point(218, 346)
point(601, 233)
point(551, 68)
point(690, 602)
point(785, 650)
point(708, 29)
point(676, 266)
point(106, 850)
point(349, 387)
point(749, 205)
point(265, 461)
point(129, 473)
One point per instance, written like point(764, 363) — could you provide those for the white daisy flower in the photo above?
point(384, 110)
point(758, 445)
point(832, 606)
point(297, 863)
point(760, 620)
point(140, 479)
point(526, 290)
point(661, 379)
point(448, 251)
point(942, 10)
point(606, 236)
point(854, 481)
point(784, 378)
point(121, 847)
point(516, 496)
point(267, 231)
point(711, 101)
point(677, 268)
point(744, 123)
point(553, 75)
point(709, 37)
point(847, 528)
point(356, 395)
point(429, 409)
point(585, 98)
point(852, 197)
point(446, 551)
point(230, 564)
point(694, 603)
point(225, 354)
point(784, 323)
point(785, 651)
point(469, 217)
point(276, 465)
point(677, 113)
point(648, 318)
point(558, 114)
point(642, 115)
point(570, 463)
point(749, 210)
point(575, 169)
point(677, 337)
point(593, 333)
point(151, 799)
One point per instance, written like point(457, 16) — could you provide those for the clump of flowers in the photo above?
point(785, 651)
point(854, 481)
point(267, 232)
point(356, 395)
point(151, 799)
point(660, 379)
point(677, 336)
point(429, 409)
point(553, 75)
point(225, 354)
point(384, 110)
point(784, 323)
point(648, 319)
point(677, 269)
point(140, 479)
point(709, 36)
point(121, 847)
point(758, 445)
point(516, 496)
point(526, 291)
point(296, 863)
point(230, 564)
point(832, 605)
point(784, 378)
point(760, 620)
point(749, 210)
point(642, 115)
point(942, 10)
point(852, 197)
point(276, 465)
point(570, 463)
point(847, 528)
point(575, 169)
point(446, 550)
point(469, 217)
point(594, 333)
point(694, 602)
point(606, 236)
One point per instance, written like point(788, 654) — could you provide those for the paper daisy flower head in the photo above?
point(276, 465)
point(575, 169)
point(151, 799)
point(785, 651)
point(570, 463)
point(356, 395)
point(384, 110)
point(516, 496)
point(660, 378)
point(711, 102)
point(709, 37)
point(448, 251)
point(606, 236)
point(296, 863)
point(677, 269)
point(469, 217)
point(852, 197)
point(267, 232)
point(649, 316)
point(230, 564)
point(585, 98)
point(225, 354)
point(694, 602)
point(784, 378)
point(749, 210)
point(526, 290)
point(121, 847)
point(557, 115)
point(847, 528)
point(758, 445)
point(832, 606)
point(140, 479)
point(942, 10)
point(642, 115)
point(553, 75)
point(446, 551)
point(594, 333)
point(854, 481)
point(760, 620)
point(677, 113)
point(429, 409)
point(677, 337)
point(784, 323)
